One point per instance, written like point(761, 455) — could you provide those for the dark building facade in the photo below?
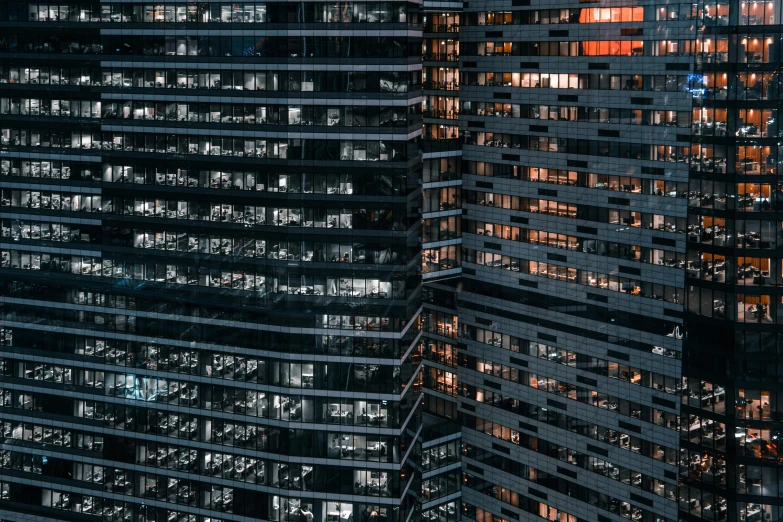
point(576, 125)
point(619, 305)
point(380, 261)
point(210, 254)
point(731, 418)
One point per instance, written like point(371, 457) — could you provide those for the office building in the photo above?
point(573, 232)
point(440, 454)
point(498, 261)
point(731, 419)
point(619, 273)
point(210, 256)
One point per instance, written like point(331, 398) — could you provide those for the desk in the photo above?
point(369, 488)
point(337, 416)
point(376, 447)
point(373, 418)
point(753, 513)
point(757, 311)
point(711, 397)
point(347, 450)
point(430, 490)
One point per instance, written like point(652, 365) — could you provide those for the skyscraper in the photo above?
point(380, 262)
point(620, 225)
point(210, 289)
point(577, 126)
point(440, 452)
point(731, 418)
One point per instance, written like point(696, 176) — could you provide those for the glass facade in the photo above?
point(576, 119)
point(439, 446)
point(209, 260)
point(729, 461)
point(620, 227)
point(545, 280)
